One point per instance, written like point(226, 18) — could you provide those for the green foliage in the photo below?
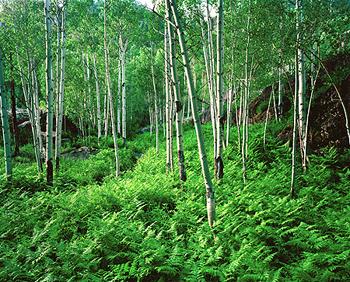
point(146, 226)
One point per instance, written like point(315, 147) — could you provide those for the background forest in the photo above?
point(184, 140)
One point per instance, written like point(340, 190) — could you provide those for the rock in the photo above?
point(81, 153)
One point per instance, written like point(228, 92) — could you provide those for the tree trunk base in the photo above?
point(182, 171)
point(57, 164)
point(211, 209)
point(219, 168)
point(49, 172)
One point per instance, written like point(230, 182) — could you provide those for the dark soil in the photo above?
point(327, 119)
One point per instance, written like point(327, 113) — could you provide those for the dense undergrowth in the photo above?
point(146, 226)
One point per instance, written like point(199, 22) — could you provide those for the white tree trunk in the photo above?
point(5, 123)
point(123, 45)
point(210, 80)
point(245, 114)
point(119, 94)
point(98, 101)
point(26, 86)
point(219, 165)
point(266, 119)
point(61, 92)
point(301, 85)
point(295, 125)
point(106, 114)
point(210, 196)
point(150, 113)
point(36, 120)
point(229, 110)
point(169, 158)
point(109, 91)
point(280, 89)
point(49, 93)
point(89, 97)
point(275, 105)
point(177, 96)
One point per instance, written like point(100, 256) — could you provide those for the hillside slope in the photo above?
point(327, 119)
point(146, 226)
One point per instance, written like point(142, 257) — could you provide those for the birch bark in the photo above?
point(169, 158)
point(177, 96)
point(98, 100)
point(301, 84)
point(123, 45)
point(13, 110)
point(49, 93)
point(61, 90)
point(219, 165)
point(5, 123)
point(110, 98)
point(200, 139)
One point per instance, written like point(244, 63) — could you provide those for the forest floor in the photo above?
point(147, 226)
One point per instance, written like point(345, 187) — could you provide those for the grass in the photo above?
point(146, 226)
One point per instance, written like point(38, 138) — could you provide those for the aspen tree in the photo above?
point(280, 84)
point(275, 108)
point(13, 110)
point(119, 94)
point(98, 100)
point(245, 114)
point(86, 112)
point(213, 105)
point(280, 89)
point(110, 98)
point(295, 111)
point(155, 98)
point(123, 45)
point(204, 82)
point(210, 196)
point(232, 90)
point(163, 113)
point(106, 114)
point(177, 95)
point(252, 68)
point(238, 113)
point(241, 97)
point(193, 63)
point(56, 78)
point(49, 93)
point(150, 113)
point(219, 165)
point(89, 98)
point(30, 86)
point(313, 85)
point(188, 109)
point(168, 122)
point(60, 100)
point(301, 84)
point(36, 122)
point(5, 123)
point(210, 80)
point(29, 100)
point(313, 64)
point(171, 122)
point(266, 120)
